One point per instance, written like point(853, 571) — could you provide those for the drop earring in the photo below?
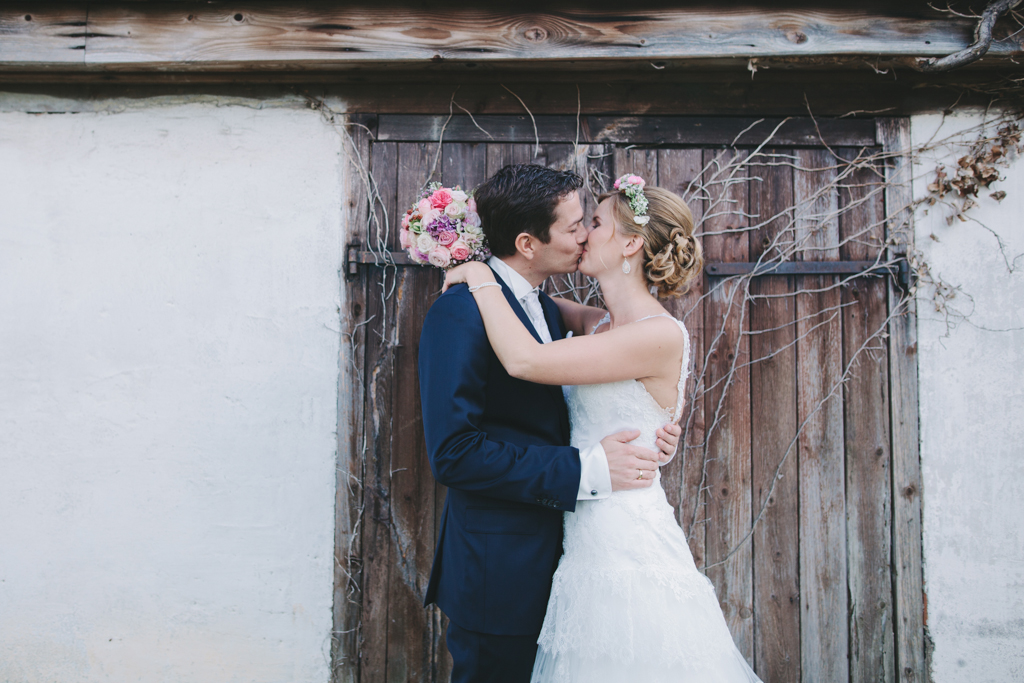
point(625, 266)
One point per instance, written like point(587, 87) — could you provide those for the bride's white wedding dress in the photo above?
point(627, 602)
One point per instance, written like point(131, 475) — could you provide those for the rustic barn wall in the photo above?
point(972, 399)
point(169, 296)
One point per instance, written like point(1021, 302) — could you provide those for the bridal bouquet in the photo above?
point(443, 228)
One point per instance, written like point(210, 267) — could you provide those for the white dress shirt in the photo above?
point(595, 480)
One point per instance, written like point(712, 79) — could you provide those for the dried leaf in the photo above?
point(998, 196)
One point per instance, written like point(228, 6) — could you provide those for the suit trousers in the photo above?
point(489, 658)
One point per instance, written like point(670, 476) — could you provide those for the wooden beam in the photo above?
point(690, 130)
point(186, 37)
point(43, 35)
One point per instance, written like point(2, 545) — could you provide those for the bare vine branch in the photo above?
point(977, 49)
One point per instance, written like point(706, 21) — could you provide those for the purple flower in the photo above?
point(442, 224)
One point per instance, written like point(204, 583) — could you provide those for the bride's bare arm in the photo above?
point(637, 351)
point(578, 317)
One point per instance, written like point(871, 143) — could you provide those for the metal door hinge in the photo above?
point(357, 255)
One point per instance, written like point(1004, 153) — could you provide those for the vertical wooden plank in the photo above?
point(643, 162)
point(498, 156)
point(866, 431)
point(410, 627)
point(379, 405)
point(727, 401)
point(773, 425)
point(677, 168)
point(681, 172)
point(349, 471)
point(908, 579)
point(823, 626)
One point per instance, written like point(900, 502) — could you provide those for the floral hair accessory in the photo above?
point(633, 187)
point(443, 228)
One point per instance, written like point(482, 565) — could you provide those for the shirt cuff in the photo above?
point(595, 479)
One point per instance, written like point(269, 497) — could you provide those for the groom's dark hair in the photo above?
point(521, 198)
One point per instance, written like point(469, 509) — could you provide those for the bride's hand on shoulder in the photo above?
point(471, 273)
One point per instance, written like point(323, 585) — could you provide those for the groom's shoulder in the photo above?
point(455, 306)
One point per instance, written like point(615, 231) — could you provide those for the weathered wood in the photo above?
point(249, 35)
point(688, 130)
point(803, 634)
point(773, 427)
point(349, 475)
point(677, 171)
point(43, 35)
point(908, 579)
point(381, 385)
point(823, 588)
point(727, 401)
point(409, 646)
point(866, 431)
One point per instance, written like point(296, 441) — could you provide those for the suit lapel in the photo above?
point(554, 321)
point(552, 316)
point(516, 306)
point(557, 329)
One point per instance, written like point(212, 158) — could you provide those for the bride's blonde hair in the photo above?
point(672, 255)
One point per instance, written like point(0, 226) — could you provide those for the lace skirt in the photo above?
point(628, 604)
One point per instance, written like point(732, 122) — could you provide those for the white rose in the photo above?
point(455, 209)
point(459, 195)
point(425, 243)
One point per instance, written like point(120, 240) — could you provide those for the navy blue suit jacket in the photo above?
point(501, 446)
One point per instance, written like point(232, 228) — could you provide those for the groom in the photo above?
point(501, 445)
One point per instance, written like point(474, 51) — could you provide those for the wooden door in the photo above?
point(793, 445)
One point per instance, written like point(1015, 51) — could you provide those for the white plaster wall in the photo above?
point(169, 343)
point(972, 426)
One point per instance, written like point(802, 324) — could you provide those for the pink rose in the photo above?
point(459, 250)
point(430, 216)
point(471, 205)
point(441, 198)
point(423, 206)
point(405, 221)
point(440, 257)
point(403, 238)
point(637, 180)
point(446, 237)
point(471, 218)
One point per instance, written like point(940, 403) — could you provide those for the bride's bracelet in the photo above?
point(484, 284)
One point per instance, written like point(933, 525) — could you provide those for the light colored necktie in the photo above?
point(531, 304)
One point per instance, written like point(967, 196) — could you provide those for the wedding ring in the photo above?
point(641, 475)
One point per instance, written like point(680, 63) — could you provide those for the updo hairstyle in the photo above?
point(672, 255)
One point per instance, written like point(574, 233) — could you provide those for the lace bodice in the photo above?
point(597, 410)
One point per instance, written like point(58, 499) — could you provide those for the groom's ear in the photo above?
point(526, 244)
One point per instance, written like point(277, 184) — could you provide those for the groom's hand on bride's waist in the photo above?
point(630, 466)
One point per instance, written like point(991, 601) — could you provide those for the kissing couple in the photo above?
point(543, 414)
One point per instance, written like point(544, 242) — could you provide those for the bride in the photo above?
point(627, 602)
